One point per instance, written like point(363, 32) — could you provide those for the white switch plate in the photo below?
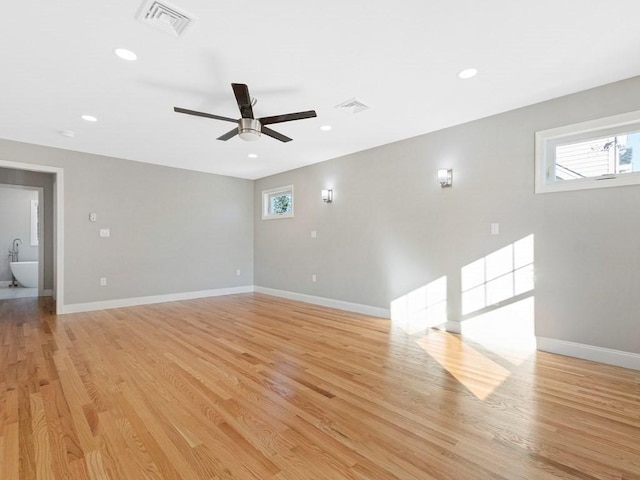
point(103, 281)
point(104, 232)
point(238, 272)
point(314, 234)
point(313, 278)
point(495, 229)
point(93, 217)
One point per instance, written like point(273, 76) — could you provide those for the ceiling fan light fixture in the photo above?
point(249, 129)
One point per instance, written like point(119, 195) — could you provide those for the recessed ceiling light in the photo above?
point(89, 118)
point(125, 54)
point(68, 133)
point(252, 155)
point(468, 73)
point(325, 128)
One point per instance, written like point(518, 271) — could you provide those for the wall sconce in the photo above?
point(445, 177)
point(327, 196)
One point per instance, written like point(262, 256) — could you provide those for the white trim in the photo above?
point(58, 193)
point(326, 302)
point(133, 302)
point(589, 352)
point(608, 125)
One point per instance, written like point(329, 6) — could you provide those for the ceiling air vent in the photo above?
point(165, 17)
point(352, 106)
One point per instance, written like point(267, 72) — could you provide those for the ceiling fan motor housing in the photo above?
point(249, 129)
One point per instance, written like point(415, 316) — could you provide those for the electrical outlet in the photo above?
point(314, 234)
point(104, 232)
point(313, 278)
point(93, 217)
point(238, 272)
point(103, 281)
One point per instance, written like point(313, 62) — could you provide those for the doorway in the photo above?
point(50, 251)
point(21, 220)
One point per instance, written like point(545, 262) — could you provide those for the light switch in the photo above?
point(313, 234)
point(104, 232)
point(93, 217)
point(495, 229)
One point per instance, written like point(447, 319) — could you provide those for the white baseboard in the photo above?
point(326, 302)
point(453, 327)
point(132, 302)
point(589, 352)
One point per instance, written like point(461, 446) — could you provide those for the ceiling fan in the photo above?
point(250, 128)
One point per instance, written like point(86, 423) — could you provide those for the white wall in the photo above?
point(392, 229)
point(172, 231)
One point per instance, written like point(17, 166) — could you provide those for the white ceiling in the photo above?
point(401, 58)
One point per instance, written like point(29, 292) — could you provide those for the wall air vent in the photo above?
point(165, 17)
point(352, 106)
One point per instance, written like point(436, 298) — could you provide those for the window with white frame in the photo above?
point(277, 203)
point(594, 154)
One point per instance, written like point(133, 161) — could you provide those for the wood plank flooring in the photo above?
point(254, 387)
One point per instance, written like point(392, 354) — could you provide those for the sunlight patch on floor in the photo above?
point(478, 373)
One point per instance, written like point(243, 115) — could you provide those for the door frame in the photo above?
point(58, 223)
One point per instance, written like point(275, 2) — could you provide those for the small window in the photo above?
point(595, 154)
point(277, 203)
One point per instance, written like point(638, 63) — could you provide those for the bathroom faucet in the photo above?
point(14, 254)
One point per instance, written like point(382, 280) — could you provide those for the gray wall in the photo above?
point(10, 176)
point(172, 230)
point(15, 222)
point(392, 229)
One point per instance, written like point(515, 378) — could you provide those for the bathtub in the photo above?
point(26, 273)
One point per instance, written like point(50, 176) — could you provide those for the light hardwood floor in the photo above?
point(254, 387)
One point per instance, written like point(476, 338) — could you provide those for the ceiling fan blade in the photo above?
point(228, 135)
point(287, 117)
point(241, 91)
point(202, 114)
point(274, 134)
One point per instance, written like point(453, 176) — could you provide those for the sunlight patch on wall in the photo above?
point(507, 331)
point(423, 308)
point(499, 276)
point(479, 374)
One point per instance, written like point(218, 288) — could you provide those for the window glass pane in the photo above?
point(607, 155)
point(280, 204)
